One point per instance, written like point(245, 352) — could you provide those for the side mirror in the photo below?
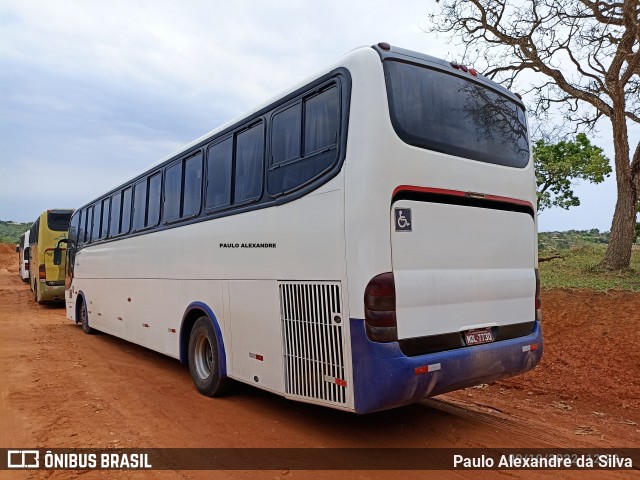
point(57, 256)
point(57, 253)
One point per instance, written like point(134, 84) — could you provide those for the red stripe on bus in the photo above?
point(458, 193)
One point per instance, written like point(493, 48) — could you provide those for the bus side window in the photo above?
point(218, 184)
point(155, 193)
point(125, 225)
point(88, 221)
point(97, 216)
point(192, 191)
point(81, 226)
point(172, 192)
point(139, 205)
point(300, 151)
point(106, 203)
point(286, 141)
point(114, 222)
point(249, 161)
point(321, 121)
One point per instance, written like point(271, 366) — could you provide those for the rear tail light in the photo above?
point(26, 266)
point(42, 273)
point(380, 308)
point(538, 302)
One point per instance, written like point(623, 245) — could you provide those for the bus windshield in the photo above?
point(59, 221)
point(449, 114)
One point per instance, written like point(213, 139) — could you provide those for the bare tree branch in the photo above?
point(587, 53)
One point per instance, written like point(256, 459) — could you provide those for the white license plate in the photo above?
point(478, 336)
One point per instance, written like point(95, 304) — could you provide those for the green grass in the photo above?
point(577, 268)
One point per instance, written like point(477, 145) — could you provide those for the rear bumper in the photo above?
point(385, 378)
point(48, 293)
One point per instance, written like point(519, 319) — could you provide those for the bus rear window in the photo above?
point(448, 114)
point(58, 221)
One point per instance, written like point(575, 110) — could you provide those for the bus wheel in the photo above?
point(35, 295)
point(203, 359)
point(83, 318)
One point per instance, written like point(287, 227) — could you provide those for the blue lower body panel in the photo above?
point(384, 377)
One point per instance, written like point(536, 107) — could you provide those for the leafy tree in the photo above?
point(585, 56)
point(559, 163)
point(10, 231)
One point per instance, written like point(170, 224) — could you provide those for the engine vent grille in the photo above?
point(312, 327)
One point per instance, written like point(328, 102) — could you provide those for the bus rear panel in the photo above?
point(47, 278)
point(450, 284)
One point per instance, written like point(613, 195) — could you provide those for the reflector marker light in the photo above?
point(428, 368)
point(255, 356)
point(337, 381)
point(464, 68)
point(172, 330)
point(530, 348)
point(146, 325)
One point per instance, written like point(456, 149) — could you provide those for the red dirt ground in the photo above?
point(61, 388)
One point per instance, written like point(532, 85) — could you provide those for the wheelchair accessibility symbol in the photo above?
point(403, 219)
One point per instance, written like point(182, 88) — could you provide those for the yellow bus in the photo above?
point(46, 278)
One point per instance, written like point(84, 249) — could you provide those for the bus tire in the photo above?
point(35, 295)
point(204, 359)
point(83, 317)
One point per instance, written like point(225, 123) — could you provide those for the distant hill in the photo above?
point(571, 239)
point(10, 231)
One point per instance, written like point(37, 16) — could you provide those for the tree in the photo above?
point(585, 55)
point(559, 163)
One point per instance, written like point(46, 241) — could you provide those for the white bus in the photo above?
point(362, 241)
point(22, 248)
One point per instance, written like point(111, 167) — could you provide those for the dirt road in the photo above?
point(62, 388)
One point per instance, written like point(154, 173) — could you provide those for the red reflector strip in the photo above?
point(337, 381)
point(255, 356)
point(172, 330)
point(457, 193)
point(428, 368)
point(530, 348)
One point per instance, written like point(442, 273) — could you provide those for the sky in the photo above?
point(91, 93)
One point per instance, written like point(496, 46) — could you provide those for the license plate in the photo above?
point(478, 336)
